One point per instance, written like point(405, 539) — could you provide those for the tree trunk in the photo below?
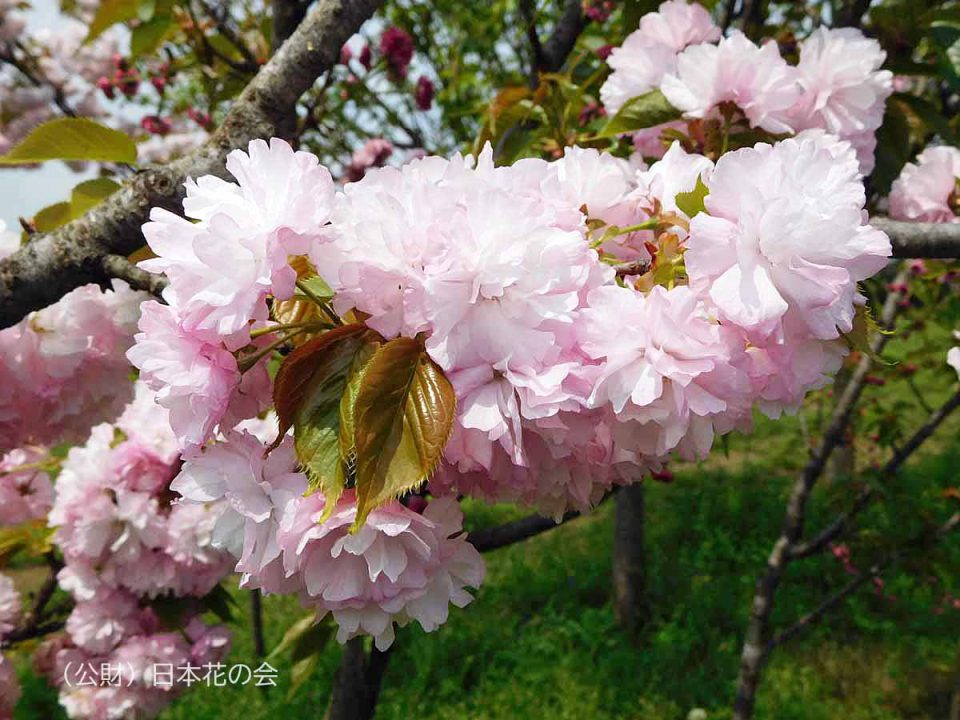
point(629, 561)
point(356, 686)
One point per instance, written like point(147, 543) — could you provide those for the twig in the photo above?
point(839, 525)
point(256, 624)
point(36, 78)
point(223, 25)
point(119, 267)
point(755, 652)
point(855, 584)
point(498, 536)
point(494, 538)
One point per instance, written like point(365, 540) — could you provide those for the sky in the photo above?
point(24, 191)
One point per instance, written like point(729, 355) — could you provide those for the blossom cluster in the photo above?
point(11, 610)
point(124, 543)
point(926, 191)
point(570, 374)
point(836, 86)
point(62, 370)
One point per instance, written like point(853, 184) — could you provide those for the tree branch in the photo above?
point(356, 686)
point(54, 263)
point(498, 536)
point(920, 240)
point(560, 44)
point(755, 645)
point(118, 266)
point(866, 496)
point(851, 587)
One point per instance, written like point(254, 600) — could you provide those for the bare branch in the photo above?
point(839, 525)
point(52, 264)
point(755, 644)
point(921, 240)
point(119, 267)
point(856, 583)
point(494, 538)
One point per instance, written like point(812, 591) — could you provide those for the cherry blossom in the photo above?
point(926, 189)
point(399, 567)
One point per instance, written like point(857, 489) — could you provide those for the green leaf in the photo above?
point(89, 193)
point(691, 203)
point(111, 12)
point(946, 38)
point(305, 640)
point(865, 327)
point(84, 196)
point(403, 416)
point(641, 112)
point(52, 217)
point(893, 147)
point(307, 392)
point(148, 36)
point(317, 287)
point(69, 138)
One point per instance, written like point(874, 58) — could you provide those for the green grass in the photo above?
point(540, 639)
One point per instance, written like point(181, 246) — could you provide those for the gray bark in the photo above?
point(52, 264)
point(630, 603)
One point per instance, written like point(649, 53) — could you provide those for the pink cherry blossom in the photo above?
point(222, 267)
point(925, 190)
point(650, 52)
point(10, 606)
point(257, 491)
point(9, 687)
point(844, 89)
point(755, 79)
point(785, 233)
point(400, 566)
point(198, 382)
point(26, 492)
point(62, 368)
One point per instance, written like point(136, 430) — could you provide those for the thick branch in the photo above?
point(54, 263)
point(494, 538)
point(921, 240)
point(119, 267)
point(560, 44)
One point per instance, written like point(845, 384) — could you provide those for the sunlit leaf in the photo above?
point(307, 393)
point(111, 12)
point(403, 416)
point(52, 217)
point(691, 203)
point(641, 112)
point(69, 138)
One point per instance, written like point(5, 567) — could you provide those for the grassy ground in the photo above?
point(540, 640)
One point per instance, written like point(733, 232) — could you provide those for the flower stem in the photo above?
point(250, 360)
point(327, 310)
